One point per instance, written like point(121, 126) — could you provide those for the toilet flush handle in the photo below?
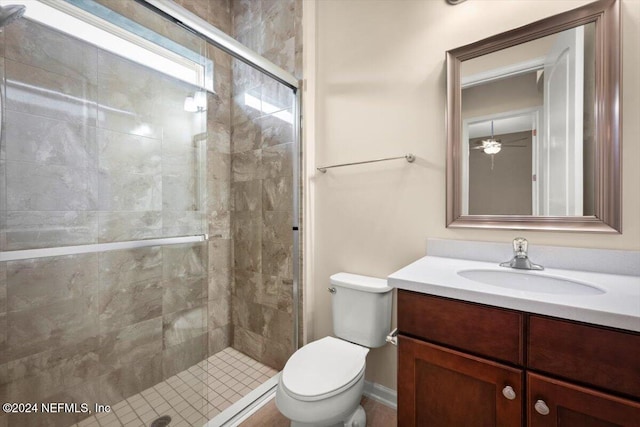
point(392, 338)
point(331, 290)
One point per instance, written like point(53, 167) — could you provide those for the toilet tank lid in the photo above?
point(360, 283)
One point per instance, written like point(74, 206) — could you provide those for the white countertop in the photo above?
point(617, 307)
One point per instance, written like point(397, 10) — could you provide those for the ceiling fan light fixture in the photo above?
point(491, 146)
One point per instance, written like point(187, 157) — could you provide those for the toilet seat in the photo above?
point(323, 368)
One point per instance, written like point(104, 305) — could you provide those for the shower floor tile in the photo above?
point(191, 397)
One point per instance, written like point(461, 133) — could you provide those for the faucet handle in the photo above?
point(520, 245)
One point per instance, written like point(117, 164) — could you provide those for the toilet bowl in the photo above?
point(321, 384)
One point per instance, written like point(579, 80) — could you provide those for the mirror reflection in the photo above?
point(528, 128)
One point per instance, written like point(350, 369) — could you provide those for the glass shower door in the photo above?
point(103, 215)
point(262, 190)
point(148, 195)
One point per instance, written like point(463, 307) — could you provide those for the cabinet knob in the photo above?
point(509, 393)
point(541, 407)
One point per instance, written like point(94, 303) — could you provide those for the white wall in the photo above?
point(376, 88)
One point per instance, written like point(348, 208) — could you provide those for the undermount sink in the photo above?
point(530, 282)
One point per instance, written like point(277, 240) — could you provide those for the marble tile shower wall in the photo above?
point(250, 156)
point(261, 182)
point(98, 149)
point(218, 137)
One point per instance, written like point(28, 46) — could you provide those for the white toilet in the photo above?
point(322, 383)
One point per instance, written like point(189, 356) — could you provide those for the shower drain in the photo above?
point(162, 421)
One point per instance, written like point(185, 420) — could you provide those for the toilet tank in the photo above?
point(361, 308)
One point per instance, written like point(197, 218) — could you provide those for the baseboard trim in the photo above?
point(381, 394)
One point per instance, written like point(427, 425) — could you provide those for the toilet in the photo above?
point(321, 383)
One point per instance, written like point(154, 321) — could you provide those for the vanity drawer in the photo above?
point(487, 331)
point(602, 357)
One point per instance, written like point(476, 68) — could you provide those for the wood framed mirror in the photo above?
point(533, 126)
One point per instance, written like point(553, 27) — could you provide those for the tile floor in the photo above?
point(190, 398)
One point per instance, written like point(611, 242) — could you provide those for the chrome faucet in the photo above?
point(520, 259)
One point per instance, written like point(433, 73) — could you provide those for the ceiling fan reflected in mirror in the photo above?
point(493, 146)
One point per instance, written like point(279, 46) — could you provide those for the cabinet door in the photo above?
point(439, 387)
point(553, 403)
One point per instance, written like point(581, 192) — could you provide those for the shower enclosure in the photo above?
point(148, 216)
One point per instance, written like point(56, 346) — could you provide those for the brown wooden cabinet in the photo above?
point(444, 388)
point(466, 364)
point(569, 405)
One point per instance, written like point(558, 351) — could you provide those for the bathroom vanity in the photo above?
point(472, 353)
point(481, 345)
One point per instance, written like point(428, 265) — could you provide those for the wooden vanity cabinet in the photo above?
point(474, 328)
point(440, 387)
point(467, 364)
point(603, 357)
point(570, 405)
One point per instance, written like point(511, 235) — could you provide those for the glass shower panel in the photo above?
point(122, 159)
point(99, 147)
point(262, 192)
point(157, 135)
